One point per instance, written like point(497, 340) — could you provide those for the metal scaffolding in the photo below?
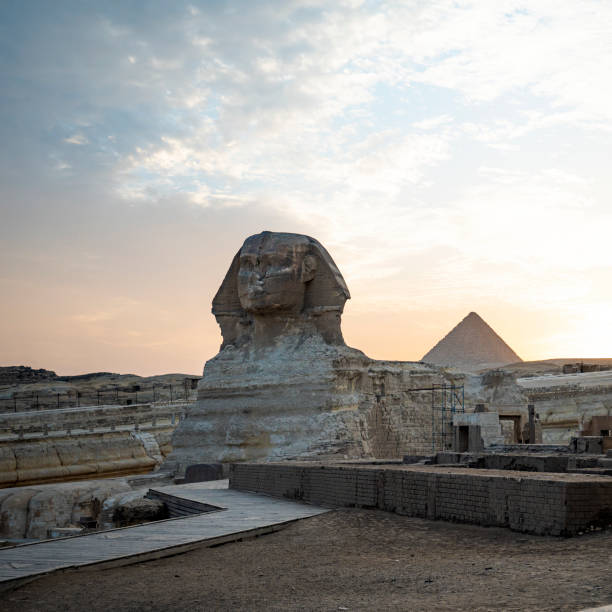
point(446, 400)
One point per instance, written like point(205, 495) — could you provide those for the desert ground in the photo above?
point(350, 560)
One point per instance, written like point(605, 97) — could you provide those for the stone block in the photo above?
point(202, 472)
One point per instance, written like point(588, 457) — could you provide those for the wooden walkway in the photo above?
point(240, 515)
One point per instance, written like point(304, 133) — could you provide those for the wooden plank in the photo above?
point(242, 515)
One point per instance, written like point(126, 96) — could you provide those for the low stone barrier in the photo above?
point(544, 504)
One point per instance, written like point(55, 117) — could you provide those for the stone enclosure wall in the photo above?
point(545, 504)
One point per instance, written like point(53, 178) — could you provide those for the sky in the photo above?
point(451, 156)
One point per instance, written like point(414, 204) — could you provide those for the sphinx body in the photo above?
point(284, 384)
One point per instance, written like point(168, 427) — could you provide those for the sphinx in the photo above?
point(284, 384)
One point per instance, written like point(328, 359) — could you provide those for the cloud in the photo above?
point(77, 139)
point(441, 150)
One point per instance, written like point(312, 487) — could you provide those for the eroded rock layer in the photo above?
point(89, 442)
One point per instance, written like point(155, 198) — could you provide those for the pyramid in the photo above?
point(471, 345)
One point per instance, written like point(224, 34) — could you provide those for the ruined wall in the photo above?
point(565, 409)
point(564, 403)
point(399, 419)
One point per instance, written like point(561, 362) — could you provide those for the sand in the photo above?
point(350, 560)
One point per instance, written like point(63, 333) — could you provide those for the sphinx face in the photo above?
point(273, 273)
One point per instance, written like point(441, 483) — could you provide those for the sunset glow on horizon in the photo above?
point(450, 156)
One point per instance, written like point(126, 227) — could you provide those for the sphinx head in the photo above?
point(279, 276)
point(273, 273)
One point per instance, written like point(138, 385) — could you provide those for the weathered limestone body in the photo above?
point(284, 383)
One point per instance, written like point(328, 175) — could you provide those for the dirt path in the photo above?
point(350, 560)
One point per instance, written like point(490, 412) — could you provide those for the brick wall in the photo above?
point(551, 504)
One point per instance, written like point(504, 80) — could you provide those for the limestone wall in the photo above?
point(399, 417)
point(80, 443)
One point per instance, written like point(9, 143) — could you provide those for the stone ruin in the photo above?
point(284, 384)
